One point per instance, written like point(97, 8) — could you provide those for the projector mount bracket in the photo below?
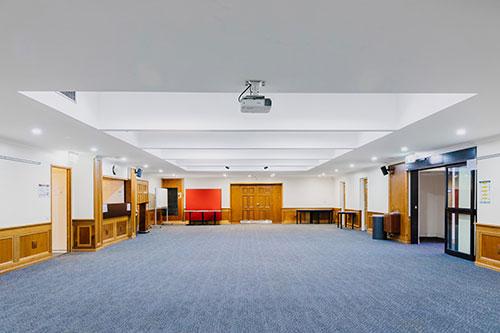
point(253, 86)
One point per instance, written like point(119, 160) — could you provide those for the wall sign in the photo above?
point(43, 191)
point(485, 191)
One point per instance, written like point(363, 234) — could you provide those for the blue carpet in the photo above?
point(253, 278)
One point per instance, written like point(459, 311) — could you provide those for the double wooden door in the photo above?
point(256, 202)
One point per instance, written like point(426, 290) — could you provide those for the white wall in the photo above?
point(304, 192)
point(19, 182)
point(378, 190)
point(432, 190)
point(121, 170)
point(82, 186)
point(488, 168)
point(154, 181)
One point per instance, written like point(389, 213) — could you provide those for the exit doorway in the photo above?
point(445, 191)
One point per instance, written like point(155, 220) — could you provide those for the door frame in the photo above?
point(255, 184)
point(363, 186)
point(69, 222)
point(472, 211)
point(414, 194)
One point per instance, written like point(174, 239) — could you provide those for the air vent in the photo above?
point(69, 94)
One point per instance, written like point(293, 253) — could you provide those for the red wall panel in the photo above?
point(204, 199)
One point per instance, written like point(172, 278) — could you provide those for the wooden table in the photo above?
point(202, 211)
point(312, 213)
point(352, 216)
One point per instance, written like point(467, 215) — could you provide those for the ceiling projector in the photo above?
point(254, 102)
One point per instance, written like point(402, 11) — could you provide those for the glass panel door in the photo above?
point(460, 211)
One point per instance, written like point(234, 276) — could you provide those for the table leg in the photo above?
point(353, 217)
point(296, 217)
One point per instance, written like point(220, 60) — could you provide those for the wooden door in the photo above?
point(256, 202)
point(264, 203)
point(177, 183)
point(248, 203)
point(61, 209)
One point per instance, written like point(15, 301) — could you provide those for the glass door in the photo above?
point(460, 211)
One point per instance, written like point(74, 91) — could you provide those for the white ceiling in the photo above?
point(332, 68)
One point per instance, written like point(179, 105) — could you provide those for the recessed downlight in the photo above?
point(93, 149)
point(336, 170)
point(249, 176)
point(123, 159)
point(272, 175)
point(145, 166)
point(374, 158)
point(36, 131)
point(404, 149)
point(160, 171)
point(351, 165)
point(461, 131)
point(224, 174)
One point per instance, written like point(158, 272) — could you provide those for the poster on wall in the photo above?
point(43, 191)
point(485, 191)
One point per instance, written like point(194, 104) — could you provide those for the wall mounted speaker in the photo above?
point(138, 172)
point(384, 170)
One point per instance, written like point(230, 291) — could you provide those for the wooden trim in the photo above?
point(256, 183)
point(398, 200)
point(132, 226)
point(80, 225)
point(25, 245)
point(25, 226)
point(357, 224)
point(98, 201)
point(114, 178)
point(369, 215)
point(488, 246)
point(289, 214)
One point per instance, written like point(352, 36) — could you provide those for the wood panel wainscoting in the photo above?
point(24, 245)
point(357, 222)
point(398, 200)
point(488, 246)
point(84, 235)
point(115, 229)
point(289, 215)
point(369, 220)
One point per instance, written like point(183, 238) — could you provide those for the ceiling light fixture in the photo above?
point(160, 171)
point(145, 166)
point(272, 175)
point(404, 149)
point(224, 174)
point(266, 167)
point(374, 158)
point(249, 176)
point(351, 165)
point(461, 131)
point(123, 159)
point(36, 131)
point(336, 170)
point(93, 149)
point(226, 167)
